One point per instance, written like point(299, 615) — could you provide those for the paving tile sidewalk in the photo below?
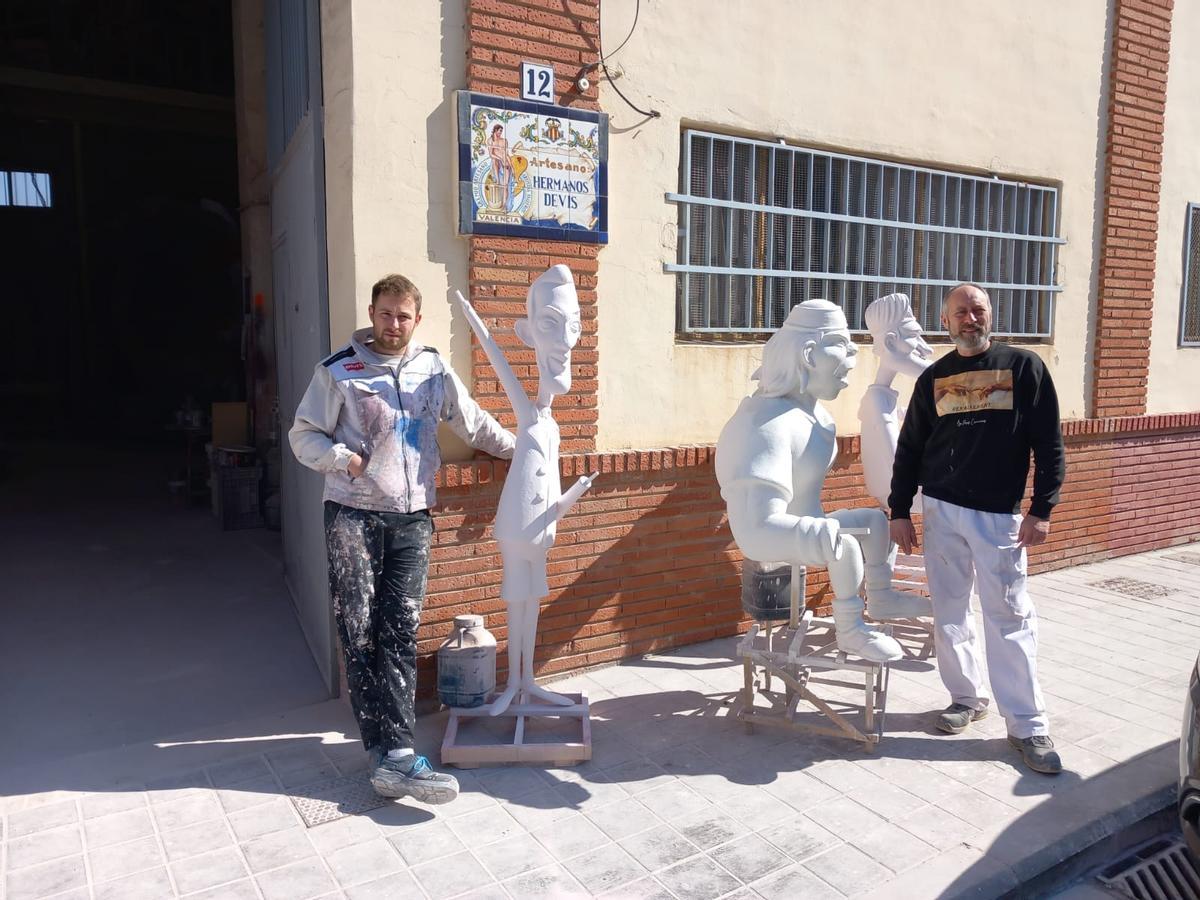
point(678, 801)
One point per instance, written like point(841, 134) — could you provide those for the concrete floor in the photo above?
point(678, 800)
point(125, 620)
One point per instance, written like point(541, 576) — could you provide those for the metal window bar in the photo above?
point(1021, 256)
point(814, 223)
point(709, 243)
point(1035, 273)
point(790, 169)
point(827, 285)
point(1054, 227)
point(1189, 303)
point(687, 233)
point(729, 283)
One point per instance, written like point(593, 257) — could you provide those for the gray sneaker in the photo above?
point(955, 718)
point(413, 777)
point(1039, 753)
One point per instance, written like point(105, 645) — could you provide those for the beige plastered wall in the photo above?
point(389, 78)
point(1013, 88)
point(1174, 370)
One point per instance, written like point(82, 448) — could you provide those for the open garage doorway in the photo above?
point(137, 340)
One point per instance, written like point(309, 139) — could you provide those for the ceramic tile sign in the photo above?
point(532, 170)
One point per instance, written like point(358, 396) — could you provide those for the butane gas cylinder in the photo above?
point(467, 664)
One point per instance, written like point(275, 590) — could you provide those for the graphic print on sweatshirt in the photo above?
point(973, 391)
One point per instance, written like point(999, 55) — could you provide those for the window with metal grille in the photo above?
point(1189, 312)
point(25, 189)
point(766, 226)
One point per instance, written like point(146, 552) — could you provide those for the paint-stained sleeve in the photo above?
point(312, 433)
point(471, 422)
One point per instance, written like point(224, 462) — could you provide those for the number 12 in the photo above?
point(542, 88)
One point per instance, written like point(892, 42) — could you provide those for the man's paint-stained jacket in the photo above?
point(387, 409)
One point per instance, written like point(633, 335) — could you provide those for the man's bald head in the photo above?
point(971, 288)
point(967, 316)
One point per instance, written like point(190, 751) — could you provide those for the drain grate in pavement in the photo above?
point(1160, 870)
point(1134, 588)
point(325, 801)
point(1191, 557)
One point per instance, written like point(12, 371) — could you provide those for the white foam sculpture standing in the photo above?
point(772, 459)
point(898, 343)
point(531, 502)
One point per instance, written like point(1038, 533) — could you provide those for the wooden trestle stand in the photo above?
point(520, 749)
point(793, 652)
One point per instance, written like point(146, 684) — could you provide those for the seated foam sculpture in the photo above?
point(772, 459)
point(531, 502)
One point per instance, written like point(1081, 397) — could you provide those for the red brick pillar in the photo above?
point(1141, 40)
point(500, 36)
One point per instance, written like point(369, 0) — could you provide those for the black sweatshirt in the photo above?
point(968, 431)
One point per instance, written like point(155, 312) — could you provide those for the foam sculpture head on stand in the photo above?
point(898, 342)
point(531, 502)
point(772, 458)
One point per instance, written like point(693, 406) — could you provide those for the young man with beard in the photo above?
point(368, 422)
point(974, 417)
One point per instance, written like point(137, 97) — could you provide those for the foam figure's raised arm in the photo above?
point(517, 397)
point(880, 416)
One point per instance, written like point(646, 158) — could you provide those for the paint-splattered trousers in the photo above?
point(378, 565)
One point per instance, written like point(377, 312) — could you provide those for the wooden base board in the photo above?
point(518, 750)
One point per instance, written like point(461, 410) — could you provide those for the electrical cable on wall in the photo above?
point(637, 10)
point(602, 63)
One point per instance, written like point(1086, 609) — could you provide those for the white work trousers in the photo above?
point(960, 542)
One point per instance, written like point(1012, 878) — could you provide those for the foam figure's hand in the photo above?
point(904, 535)
point(574, 492)
point(1033, 531)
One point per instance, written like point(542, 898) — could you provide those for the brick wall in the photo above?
point(1131, 487)
point(646, 560)
point(500, 35)
point(1141, 37)
point(643, 562)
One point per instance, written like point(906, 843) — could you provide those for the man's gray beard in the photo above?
point(973, 342)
